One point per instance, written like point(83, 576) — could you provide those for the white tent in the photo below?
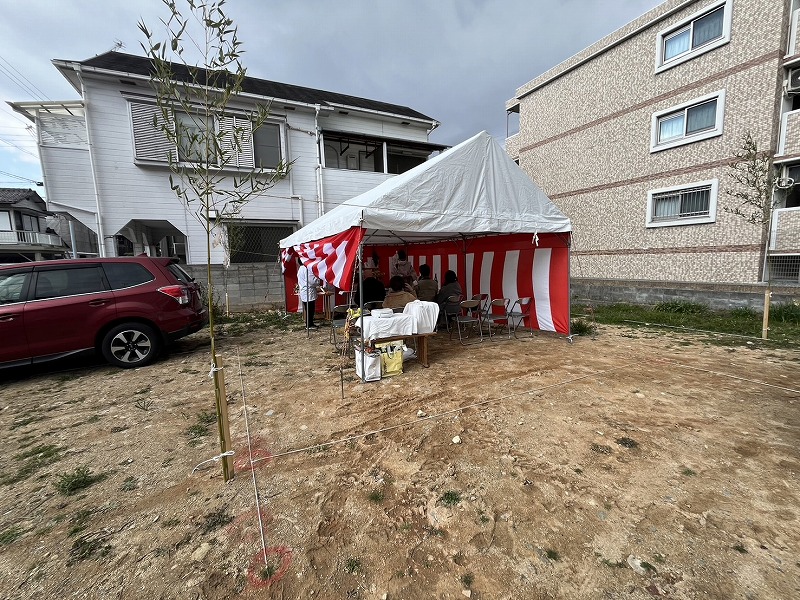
point(471, 210)
point(472, 188)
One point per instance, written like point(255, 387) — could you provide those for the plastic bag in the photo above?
point(391, 358)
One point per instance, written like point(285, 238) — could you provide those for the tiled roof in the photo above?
point(14, 195)
point(138, 65)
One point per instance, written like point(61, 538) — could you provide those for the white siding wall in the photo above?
point(142, 192)
point(356, 123)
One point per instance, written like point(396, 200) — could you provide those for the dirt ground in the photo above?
point(635, 464)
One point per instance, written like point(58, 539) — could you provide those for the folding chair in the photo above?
point(484, 302)
point(339, 322)
point(450, 310)
point(469, 317)
point(369, 306)
point(497, 314)
point(520, 311)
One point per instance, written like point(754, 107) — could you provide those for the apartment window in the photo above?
point(267, 146)
point(682, 205)
point(260, 149)
point(195, 141)
point(696, 35)
point(5, 220)
point(693, 121)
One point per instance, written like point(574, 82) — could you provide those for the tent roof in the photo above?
point(473, 188)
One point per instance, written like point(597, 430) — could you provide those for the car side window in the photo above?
point(56, 283)
point(11, 287)
point(125, 275)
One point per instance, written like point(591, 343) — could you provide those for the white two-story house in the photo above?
point(105, 163)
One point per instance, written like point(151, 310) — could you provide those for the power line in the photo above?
point(21, 177)
point(20, 148)
point(25, 81)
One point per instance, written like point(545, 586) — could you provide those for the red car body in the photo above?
point(127, 309)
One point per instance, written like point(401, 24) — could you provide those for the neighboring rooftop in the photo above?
point(14, 195)
point(119, 62)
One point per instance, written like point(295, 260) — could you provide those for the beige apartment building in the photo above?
point(633, 138)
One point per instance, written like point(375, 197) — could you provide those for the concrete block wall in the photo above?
point(250, 285)
point(715, 296)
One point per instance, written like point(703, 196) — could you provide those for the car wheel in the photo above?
point(131, 345)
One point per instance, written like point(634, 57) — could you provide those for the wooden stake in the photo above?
point(222, 419)
point(765, 322)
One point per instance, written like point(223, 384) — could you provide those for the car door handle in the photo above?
point(8, 318)
point(98, 302)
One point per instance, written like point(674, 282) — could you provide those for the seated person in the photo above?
point(451, 287)
point(426, 287)
point(401, 293)
point(373, 290)
point(403, 268)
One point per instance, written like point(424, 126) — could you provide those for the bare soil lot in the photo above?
point(632, 465)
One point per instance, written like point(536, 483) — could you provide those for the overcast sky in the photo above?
point(457, 61)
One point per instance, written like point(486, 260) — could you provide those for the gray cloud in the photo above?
point(457, 61)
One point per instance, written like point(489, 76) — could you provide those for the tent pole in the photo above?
point(360, 259)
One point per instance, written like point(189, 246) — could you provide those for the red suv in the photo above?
point(125, 308)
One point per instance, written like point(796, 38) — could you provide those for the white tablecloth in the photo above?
point(397, 324)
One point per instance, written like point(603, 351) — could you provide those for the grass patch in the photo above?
point(129, 484)
point(172, 522)
point(450, 498)
point(627, 442)
point(552, 554)
point(87, 546)
point(81, 478)
point(201, 427)
point(10, 535)
point(215, 520)
point(352, 565)
point(688, 472)
point(376, 496)
point(582, 327)
point(79, 521)
point(32, 460)
point(144, 404)
point(615, 564)
point(740, 549)
point(784, 319)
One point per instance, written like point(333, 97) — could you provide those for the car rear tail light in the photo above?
point(178, 292)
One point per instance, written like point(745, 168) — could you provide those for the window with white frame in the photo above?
point(699, 33)
point(683, 205)
point(260, 149)
point(5, 220)
point(195, 135)
point(692, 121)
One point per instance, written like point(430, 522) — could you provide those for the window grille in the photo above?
point(681, 204)
point(250, 243)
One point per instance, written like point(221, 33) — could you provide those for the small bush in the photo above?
point(467, 580)
point(352, 565)
point(9, 535)
point(581, 327)
point(80, 478)
point(450, 498)
point(786, 313)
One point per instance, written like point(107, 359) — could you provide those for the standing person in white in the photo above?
point(309, 286)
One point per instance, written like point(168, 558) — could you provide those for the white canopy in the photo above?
point(470, 189)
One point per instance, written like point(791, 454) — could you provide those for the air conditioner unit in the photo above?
point(794, 80)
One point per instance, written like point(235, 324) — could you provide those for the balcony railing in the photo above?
point(789, 142)
point(785, 234)
point(32, 238)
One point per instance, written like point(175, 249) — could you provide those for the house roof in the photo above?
point(120, 62)
point(15, 195)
